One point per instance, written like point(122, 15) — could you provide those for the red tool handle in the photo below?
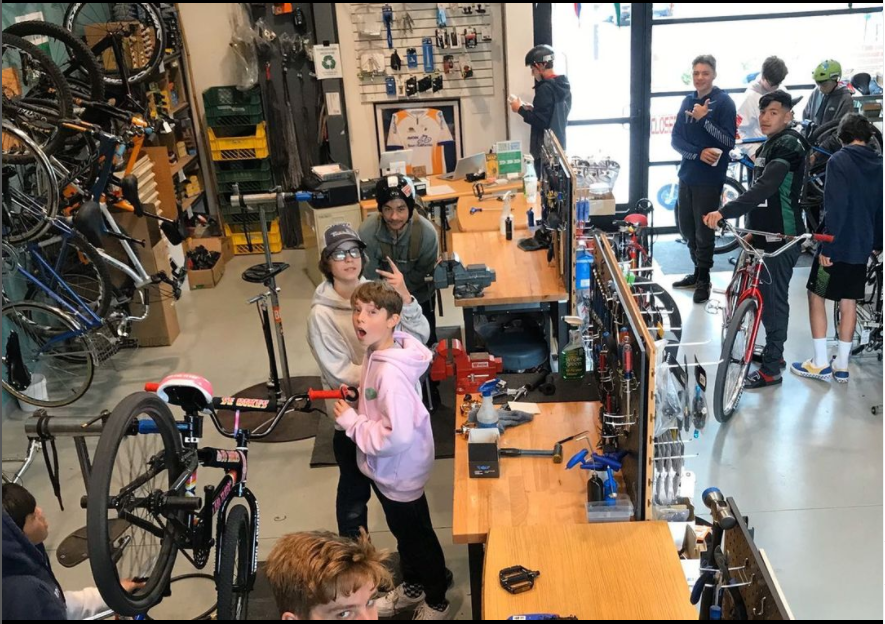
point(824, 238)
point(348, 394)
point(151, 387)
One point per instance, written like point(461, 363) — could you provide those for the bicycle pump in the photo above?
point(266, 274)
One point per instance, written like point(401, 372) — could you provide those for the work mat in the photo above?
point(293, 426)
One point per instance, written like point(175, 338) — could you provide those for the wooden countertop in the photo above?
point(490, 218)
point(531, 490)
point(521, 276)
point(613, 571)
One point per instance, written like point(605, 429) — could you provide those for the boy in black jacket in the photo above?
point(703, 134)
point(552, 104)
point(853, 215)
point(772, 205)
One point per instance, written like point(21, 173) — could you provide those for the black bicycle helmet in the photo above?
point(395, 187)
point(539, 54)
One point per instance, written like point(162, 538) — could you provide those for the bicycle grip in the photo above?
point(151, 387)
point(184, 503)
point(350, 394)
point(824, 238)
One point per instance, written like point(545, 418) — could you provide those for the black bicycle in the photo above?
point(145, 473)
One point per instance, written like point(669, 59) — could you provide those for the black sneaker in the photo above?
point(757, 358)
point(702, 292)
point(758, 379)
point(687, 282)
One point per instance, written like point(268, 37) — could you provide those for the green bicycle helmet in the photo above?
point(827, 70)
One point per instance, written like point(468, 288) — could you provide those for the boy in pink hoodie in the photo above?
point(391, 429)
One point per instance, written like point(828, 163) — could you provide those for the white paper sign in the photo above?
point(333, 103)
point(327, 60)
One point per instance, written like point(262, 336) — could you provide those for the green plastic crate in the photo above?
point(244, 171)
point(228, 106)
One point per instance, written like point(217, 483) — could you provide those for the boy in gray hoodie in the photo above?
point(339, 354)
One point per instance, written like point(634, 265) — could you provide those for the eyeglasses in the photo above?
point(342, 254)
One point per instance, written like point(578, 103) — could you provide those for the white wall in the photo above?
point(483, 119)
point(519, 39)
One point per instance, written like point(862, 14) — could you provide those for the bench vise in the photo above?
point(469, 282)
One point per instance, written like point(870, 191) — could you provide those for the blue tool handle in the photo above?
point(577, 459)
point(608, 462)
point(704, 579)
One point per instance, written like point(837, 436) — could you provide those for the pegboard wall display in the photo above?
point(416, 51)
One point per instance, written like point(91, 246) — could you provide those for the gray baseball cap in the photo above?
point(338, 234)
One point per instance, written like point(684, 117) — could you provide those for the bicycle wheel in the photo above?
point(131, 472)
point(234, 566)
point(725, 241)
point(76, 61)
point(35, 96)
point(30, 189)
point(51, 345)
point(76, 265)
point(735, 363)
point(137, 26)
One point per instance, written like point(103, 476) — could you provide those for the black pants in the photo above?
point(420, 552)
point(354, 488)
point(774, 285)
point(694, 203)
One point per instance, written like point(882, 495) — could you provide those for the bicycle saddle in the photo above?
point(638, 220)
point(17, 373)
point(89, 222)
point(190, 392)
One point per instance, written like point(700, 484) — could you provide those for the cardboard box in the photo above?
point(227, 249)
point(604, 206)
point(160, 328)
point(482, 454)
point(205, 278)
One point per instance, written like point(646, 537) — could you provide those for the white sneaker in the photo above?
point(396, 601)
point(424, 612)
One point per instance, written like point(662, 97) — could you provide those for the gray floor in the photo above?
point(803, 461)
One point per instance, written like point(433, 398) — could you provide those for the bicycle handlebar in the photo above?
point(791, 239)
point(348, 394)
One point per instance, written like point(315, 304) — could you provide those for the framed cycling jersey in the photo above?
point(431, 129)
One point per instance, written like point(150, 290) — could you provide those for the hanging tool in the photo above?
point(605, 461)
point(299, 19)
point(517, 579)
point(396, 63)
point(387, 18)
point(408, 24)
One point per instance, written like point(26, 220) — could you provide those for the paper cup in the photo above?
point(718, 155)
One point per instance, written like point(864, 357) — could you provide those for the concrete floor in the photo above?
point(804, 461)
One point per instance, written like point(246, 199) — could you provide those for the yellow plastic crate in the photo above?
point(238, 147)
point(241, 242)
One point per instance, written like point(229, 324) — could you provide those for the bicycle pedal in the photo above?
point(713, 307)
point(129, 343)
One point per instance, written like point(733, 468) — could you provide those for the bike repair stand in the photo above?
point(266, 274)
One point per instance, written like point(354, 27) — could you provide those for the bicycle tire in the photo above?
point(64, 101)
point(234, 566)
point(21, 315)
point(77, 50)
point(721, 411)
point(143, 74)
point(84, 256)
point(36, 222)
point(101, 554)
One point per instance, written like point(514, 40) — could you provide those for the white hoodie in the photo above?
point(333, 340)
point(748, 115)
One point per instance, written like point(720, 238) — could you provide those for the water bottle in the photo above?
point(583, 272)
point(428, 55)
point(530, 180)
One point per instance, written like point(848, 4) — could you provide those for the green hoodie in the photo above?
point(416, 266)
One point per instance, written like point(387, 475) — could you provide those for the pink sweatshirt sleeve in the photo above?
point(392, 429)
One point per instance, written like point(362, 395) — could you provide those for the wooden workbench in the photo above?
point(613, 571)
point(521, 276)
point(531, 491)
point(489, 219)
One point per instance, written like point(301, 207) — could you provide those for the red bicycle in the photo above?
point(743, 315)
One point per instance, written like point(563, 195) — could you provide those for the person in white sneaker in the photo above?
point(322, 576)
point(853, 215)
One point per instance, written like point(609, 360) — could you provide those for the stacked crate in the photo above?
point(238, 140)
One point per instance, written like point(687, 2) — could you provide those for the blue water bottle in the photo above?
point(428, 55)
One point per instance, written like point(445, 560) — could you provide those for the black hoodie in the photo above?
point(30, 591)
point(853, 204)
point(550, 109)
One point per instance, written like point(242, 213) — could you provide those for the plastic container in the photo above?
point(530, 180)
point(37, 390)
point(602, 511)
point(241, 242)
point(573, 358)
point(228, 106)
point(238, 144)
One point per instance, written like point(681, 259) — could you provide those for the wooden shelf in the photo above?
point(184, 162)
point(190, 201)
point(180, 107)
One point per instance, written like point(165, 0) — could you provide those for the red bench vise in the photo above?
point(470, 370)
